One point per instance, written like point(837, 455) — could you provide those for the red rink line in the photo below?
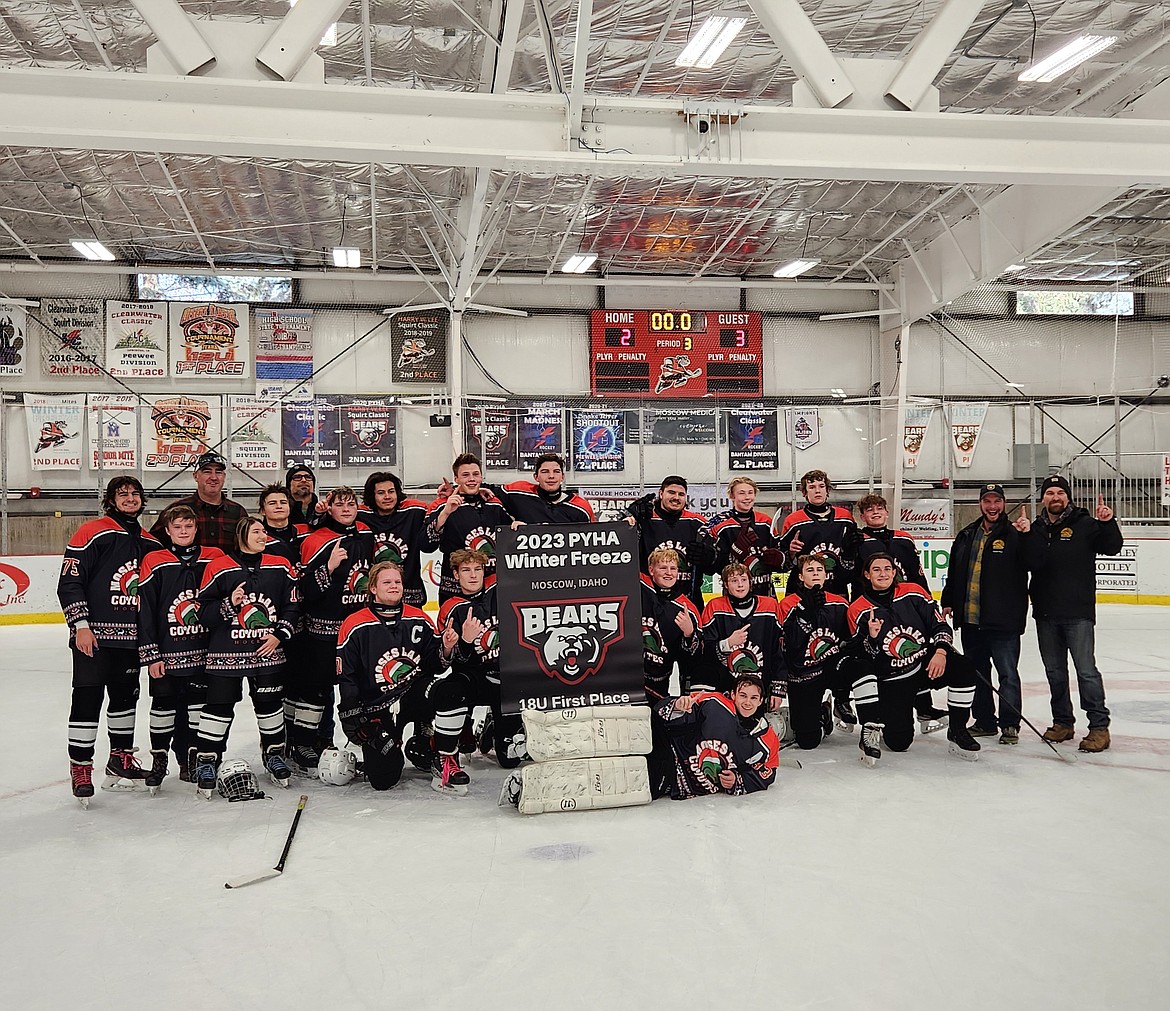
point(13, 794)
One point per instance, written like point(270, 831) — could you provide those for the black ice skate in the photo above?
point(158, 770)
point(962, 743)
point(419, 752)
point(487, 734)
point(278, 769)
point(931, 720)
point(81, 774)
point(826, 718)
point(306, 761)
point(123, 771)
point(206, 767)
point(844, 716)
point(871, 743)
point(468, 741)
point(447, 776)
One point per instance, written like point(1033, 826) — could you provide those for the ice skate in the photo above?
point(206, 768)
point(961, 742)
point(931, 720)
point(447, 776)
point(187, 765)
point(826, 718)
point(487, 734)
point(81, 774)
point(278, 769)
point(871, 743)
point(419, 753)
point(844, 716)
point(468, 741)
point(305, 761)
point(158, 770)
point(123, 771)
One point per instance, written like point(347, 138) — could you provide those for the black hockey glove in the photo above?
point(642, 509)
point(774, 559)
point(814, 599)
point(742, 547)
point(701, 554)
point(373, 734)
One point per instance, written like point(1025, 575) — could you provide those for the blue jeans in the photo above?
point(984, 648)
point(1058, 638)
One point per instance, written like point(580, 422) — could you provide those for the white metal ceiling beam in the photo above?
point(506, 54)
point(798, 39)
point(526, 132)
point(580, 64)
point(930, 52)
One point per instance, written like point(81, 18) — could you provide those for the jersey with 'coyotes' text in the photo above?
point(481, 657)
point(814, 634)
point(328, 598)
point(911, 629)
point(169, 628)
point(759, 654)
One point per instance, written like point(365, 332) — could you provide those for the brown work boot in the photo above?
point(1057, 733)
point(1095, 740)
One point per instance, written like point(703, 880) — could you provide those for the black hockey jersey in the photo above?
point(712, 738)
point(529, 504)
point(269, 607)
point(814, 634)
point(328, 598)
point(830, 533)
point(98, 584)
point(398, 537)
point(473, 525)
point(760, 654)
point(482, 657)
point(169, 628)
point(912, 628)
point(677, 531)
point(663, 642)
point(382, 653)
point(286, 542)
point(744, 537)
point(897, 544)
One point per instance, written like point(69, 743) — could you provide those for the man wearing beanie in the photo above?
point(1062, 551)
point(301, 483)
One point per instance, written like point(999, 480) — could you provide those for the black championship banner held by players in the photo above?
point(570, 616)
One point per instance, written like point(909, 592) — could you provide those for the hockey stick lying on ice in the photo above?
point(278, 870)
point(1068, 757)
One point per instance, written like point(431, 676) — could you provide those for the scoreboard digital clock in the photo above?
point(675, 353)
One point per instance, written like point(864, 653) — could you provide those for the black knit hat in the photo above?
point(1056, 481)
point(300, 468)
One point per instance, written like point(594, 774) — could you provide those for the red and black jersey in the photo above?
point(398, 537)
point(328, 598)
point(382, 653)
point(830, 533)
point(760, 654)
point(663, 642)
point(899, 545)
point(714, 738)
point(677, 531)
point(169, 628)
point(473, 525)
point(481, 657)
point(528, 503)
point(269, 607)
point(744, 537)
point(912, 628)
point(814, 634)
point(286, 542)
point(98, 585)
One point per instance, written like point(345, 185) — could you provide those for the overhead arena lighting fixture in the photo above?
point(795, 268)
point(346, 256)
point(713, 37)
point(578, 263)
point(91, 249)
point(1082, 48)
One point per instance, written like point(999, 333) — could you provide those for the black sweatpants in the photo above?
point(109, 672)
point(176, 705)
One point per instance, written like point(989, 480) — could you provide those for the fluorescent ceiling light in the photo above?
point(1082, 48)
point(346, 256)
point(795, 268)
point(713, 37)
point(91, 249)
point(578, 263)
point(330, 36)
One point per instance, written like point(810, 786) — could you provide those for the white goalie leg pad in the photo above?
point(584, 784)
point(589, 732)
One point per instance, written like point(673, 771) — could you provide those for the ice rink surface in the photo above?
point(928, 882)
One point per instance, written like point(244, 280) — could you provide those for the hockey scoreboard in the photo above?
point(675, 353)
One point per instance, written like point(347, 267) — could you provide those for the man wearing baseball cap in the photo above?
point(215, 513)
point(1062, 554)
point(986, 596)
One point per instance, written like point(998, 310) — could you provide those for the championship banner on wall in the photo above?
point(966, 421)
point(541, 430)
point(71, 327)
point(136, 339)
point(13, 322)
point(113, 431)
point(752, 440)
point(599, 440)
point(369, 432)
point(570, 616)
point(284, 343)
point(254, 425)
point(418, 347)
point(209, 340)
point(54, 430)
point(914, 427)
point(802, 427)
point(490, 433)
point(309, 434)
point(178, 429)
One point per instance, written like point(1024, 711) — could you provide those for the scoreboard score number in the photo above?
point(675, 353)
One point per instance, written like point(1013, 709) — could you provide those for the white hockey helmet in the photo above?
point(237, 781)
point(337, 767)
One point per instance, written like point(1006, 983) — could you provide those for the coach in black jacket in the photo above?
point(986, 595)
point(1062, 554)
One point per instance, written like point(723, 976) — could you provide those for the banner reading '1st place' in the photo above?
point(570, 616)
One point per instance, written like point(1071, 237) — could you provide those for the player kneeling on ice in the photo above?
point(901, 647)
point(721, 744)
point(388, 653)
point(248, 602)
